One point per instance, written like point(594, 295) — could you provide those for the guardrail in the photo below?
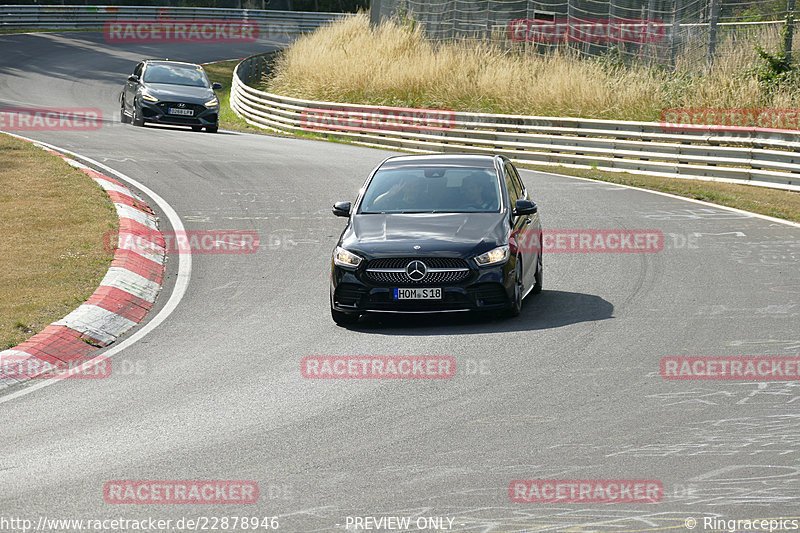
point(94, 17)
point(755, 156)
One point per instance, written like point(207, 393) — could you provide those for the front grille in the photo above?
point(457, 271)
point(431, 278)
point(180, 120)
point(431, 262)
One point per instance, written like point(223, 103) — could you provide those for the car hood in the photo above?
point(458, 234)
point(184, 93)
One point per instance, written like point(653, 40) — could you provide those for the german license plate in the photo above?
point(418, 294)
point(184, 112)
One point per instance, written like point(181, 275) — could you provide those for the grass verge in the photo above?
point(52, 258)
point(223, 73)
point(394, 64)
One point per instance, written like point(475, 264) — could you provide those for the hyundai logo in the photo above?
point(416, 270)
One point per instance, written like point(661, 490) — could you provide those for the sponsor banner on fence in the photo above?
point(376, 119)
point(586, 30)
point(180, 492)
point(731, 368)
point(378, 367)
point(585, 491)
point(51, 118)
point(608, 241)
point(189, 30)
point(185, 242)
point(731, 119)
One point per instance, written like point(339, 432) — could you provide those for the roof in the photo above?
point(169, 61)
point(446, 160)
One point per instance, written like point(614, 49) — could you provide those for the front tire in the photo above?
point(137, 117)
point(516, 301)
point(125, 119)
point(212, 129)
point(537, 286)
point(197, 128)
point(343, 319)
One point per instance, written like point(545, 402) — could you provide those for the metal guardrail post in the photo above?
point(789, 33)
point(712, 30)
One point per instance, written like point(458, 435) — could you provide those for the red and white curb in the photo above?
point(126, 293)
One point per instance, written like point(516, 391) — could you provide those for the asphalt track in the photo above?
point(568, 390)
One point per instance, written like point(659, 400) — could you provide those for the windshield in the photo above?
point(432, 190)
point(176, 75)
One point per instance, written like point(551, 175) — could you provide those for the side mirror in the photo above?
point(524, 207)
point(341, 209)
point(216, 86)
point(133, 78)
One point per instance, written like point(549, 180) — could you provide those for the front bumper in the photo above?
point(485, 289)
point(158, 113)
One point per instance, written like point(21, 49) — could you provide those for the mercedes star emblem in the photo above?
point(416, 270)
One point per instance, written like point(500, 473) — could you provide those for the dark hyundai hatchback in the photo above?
point(170, 92)
point(437, 233)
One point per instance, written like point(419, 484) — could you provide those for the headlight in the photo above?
point(212, 103)
point(149, 97)
point(346, 259)
point(492, 257)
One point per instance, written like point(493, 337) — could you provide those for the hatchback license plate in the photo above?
point(418, 294)
point(185, 112)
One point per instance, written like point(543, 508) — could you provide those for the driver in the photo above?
point(475, 191)
point(405, 194)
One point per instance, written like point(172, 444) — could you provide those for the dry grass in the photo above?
point(348, 61)
point(52, 219)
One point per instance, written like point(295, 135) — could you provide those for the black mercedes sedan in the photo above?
point(170, 92)
point(437, 233)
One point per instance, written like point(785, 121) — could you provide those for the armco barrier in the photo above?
point(756, 156)
point(94, 17)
